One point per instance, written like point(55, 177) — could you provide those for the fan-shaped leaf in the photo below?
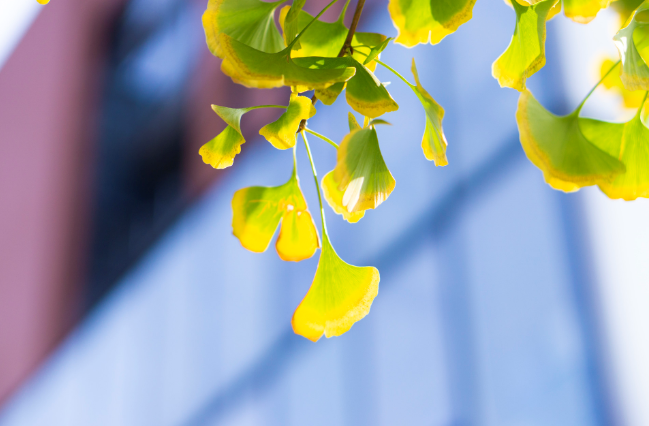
point(630, 143)
point(364, 92)
point(556, 145)
point(434, 141)
point(340, 295)
point(257, 212)
point(424, 21)
point(251, 22)
point(583, 11)
point(254, 68)
point(526, 52)
point(334, 197)
point(282, 132)
point(634, 72)
point(220, 151)
point(360, 174)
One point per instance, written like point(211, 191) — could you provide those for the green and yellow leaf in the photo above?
point(254, 68)
point(282, 132)
point(334, 197)
point(220, 151)
point(360, 175)
point(258, 211)
point(326, 39)
point(364, 92)
point(556, 145)
point(434, 141)
point(526, 52)
point(583, 11)
point(428, 21)
point(340, 295)
point(629, 142)
point(251, 22)
point(634, 72)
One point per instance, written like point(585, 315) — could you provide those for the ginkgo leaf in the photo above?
point(258, 211)
point(634, 72)
point(612, 81)
point(583, 11)
point(220, 151)
point(556, 145)
point(43, 1)
point(282, 133)
point(340, 295)
point(251, 22)
point(630, 143)
point(526, 52)
point(434, 141)
point(334, 197)
point(290, 22)
point(424, 21)
point(326, 39)
point(254, 68)
point(376, 51)
point(353, 123)
point(364, 92)
point(360, 174)
point(329, 95)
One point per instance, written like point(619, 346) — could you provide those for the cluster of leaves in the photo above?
point(328, 58)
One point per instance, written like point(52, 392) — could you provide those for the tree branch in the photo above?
point(347, 47)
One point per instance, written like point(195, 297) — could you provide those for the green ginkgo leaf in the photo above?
point(220, 151)
point(326, 39)
point(353, 123)
point(251, 22)
point(526, 52)
point(290, 22)
point(340, 295)
point(364, 92)
point(583, 11)
point(329, 95)
point(630, 143)
point(434, 141)
point(634, 72)
point(282, 133)
point(254, 68)
point(376, 51)
point(258, 211)
point(557, 146)
point(361, 180)
point(424, 21)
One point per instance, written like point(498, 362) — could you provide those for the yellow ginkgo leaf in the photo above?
point(258, 211)
point(250, 21)
point(612, 81)
point(334, 197)
point(428, 21)
point(282, 132)
point(43, 1)
point(434, 141)
point(340, 295)
point(220, 151)
point(630, 143)
point(583, 11)
point(632, 42)
point(360, 174)
point(525, 54)
point(557, 146)
point(255, 68)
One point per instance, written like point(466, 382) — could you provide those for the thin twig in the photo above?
point(347, 46)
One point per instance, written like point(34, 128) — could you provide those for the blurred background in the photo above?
point(125, 300)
